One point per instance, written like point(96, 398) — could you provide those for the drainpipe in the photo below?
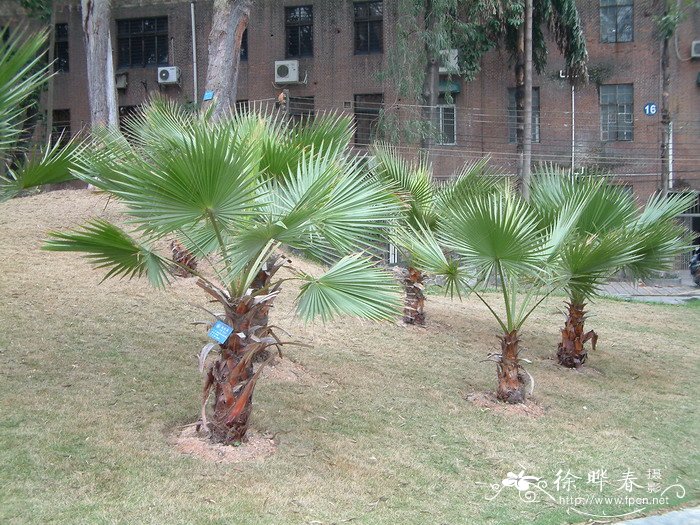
point(194, 55)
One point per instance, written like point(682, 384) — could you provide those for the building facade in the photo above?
point(340, 49)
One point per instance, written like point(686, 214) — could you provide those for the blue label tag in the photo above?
point(208, 95)
point(220, 332)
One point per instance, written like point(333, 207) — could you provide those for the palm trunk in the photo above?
point(511, 383)
point(232, 378)
point(572, 352)
point(413, 312)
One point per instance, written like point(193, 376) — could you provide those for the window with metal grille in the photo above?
point(446, 125)
point(60, 49)
point(513, 115)
point(301, 109)
point(60, 131)
point(616, 21)
point(617, 112)
point(142, 42)
point(369, 27)
point(244, 45)
point(299, 31)
point(367, 111)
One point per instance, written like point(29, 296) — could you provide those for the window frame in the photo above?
point(615, 6)
point(606, 113)
point(513, 116)
point(296, 25)
point(63, 135)
point(370, 112)
point(61, 47)
point(141, 37)
point(439, 141)
point(368, 21)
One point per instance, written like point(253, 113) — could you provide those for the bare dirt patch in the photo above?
point(489, 401)
point(284, 370)
point(192, 443)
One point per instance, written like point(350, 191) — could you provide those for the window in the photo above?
point(513, 115)
point(244, 45)
point(60, 132)
point(368, 27)
point(301, 109)
point(616, 21)
point(60, 48)
point(446, 125)
point(299, 31)
point(142, 42)
point(367, 111)
point(616, 112)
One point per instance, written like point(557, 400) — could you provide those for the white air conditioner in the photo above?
point(169, 75)
point(449, 61)
point(286, 71)
point(695, 49)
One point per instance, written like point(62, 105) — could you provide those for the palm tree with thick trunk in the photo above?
point(497, 235)
point(611, 234)
point(239, 192)
point(422, 201)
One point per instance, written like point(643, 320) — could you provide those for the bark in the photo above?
point(413, 312)
point(511, 383)
point(665, 119)
point(572, 351)
point(527, 115)
point(229, 21)
point(102, 92)
point(50, 83)
point(231, 378)
point(431, 81)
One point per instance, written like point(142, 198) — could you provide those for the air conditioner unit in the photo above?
point(449, 61)
point(286, 71)
point(695, 49)
point(169, 75)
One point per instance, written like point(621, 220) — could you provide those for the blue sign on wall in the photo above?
point(208, 95)
point(220, 332)
point(650, 109)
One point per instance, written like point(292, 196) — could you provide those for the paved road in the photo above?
point(662, 294)
point(680, 517)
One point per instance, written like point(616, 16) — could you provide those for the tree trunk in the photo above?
point(511, 383)
point(102, 92)
point(665, 119)
point(571, 352)
point(431, 82)
point(232, 377)
point(229, 21)
point(413, 312)
point(50, 82)
point(527, 116)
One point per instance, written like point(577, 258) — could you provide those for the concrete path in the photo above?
point(662, 294)
point(679, 517)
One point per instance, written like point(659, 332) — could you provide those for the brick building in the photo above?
point(340, 48)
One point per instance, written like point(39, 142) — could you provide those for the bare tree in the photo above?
point(102, 92)
point(229, 22)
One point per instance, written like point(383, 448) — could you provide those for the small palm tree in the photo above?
point(22, 73)
point(413, 184)
point(236, 192)
point(611, 234)
point(497, 235)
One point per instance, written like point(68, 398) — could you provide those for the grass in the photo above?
point(94, 379)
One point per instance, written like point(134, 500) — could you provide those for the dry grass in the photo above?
point(94, 379)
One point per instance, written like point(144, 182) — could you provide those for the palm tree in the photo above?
point(23, 72)
point(497, 235)
point(236, 192)
point(413, 184)
point(611, 234)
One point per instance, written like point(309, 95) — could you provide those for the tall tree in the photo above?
point(102, 91)
point(229, 22)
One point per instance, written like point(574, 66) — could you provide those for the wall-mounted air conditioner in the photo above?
point(449, 61)
point(695, 49)
point(286, 71)
point(169, 75)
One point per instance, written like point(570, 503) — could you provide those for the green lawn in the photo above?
point(95, 378)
